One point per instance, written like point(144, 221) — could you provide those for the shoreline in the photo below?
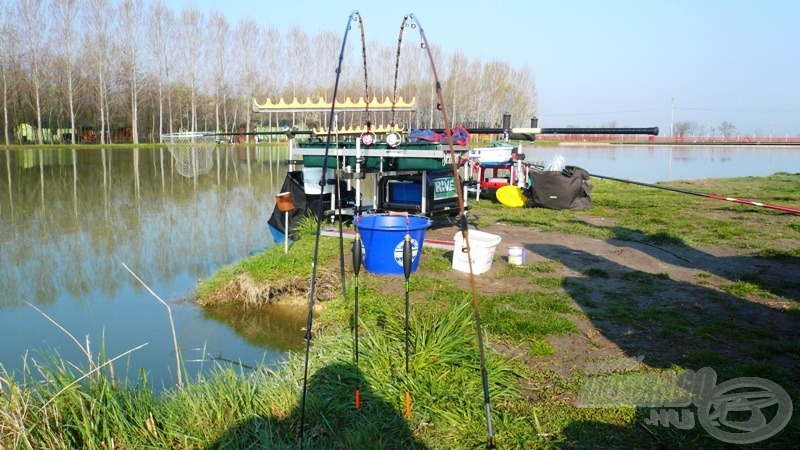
point(645, 282)
point(604, 142)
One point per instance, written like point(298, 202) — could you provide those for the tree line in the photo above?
point(132, 70)
point(686, 128)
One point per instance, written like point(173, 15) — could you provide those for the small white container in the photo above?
point(481, 247)
point(311, 177)
point(516, 256)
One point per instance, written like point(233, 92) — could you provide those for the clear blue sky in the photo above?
point(600, 61)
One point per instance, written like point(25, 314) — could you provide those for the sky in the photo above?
point(630, 63)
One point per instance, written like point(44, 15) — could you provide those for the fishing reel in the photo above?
point(394, 139)
point(368, 137)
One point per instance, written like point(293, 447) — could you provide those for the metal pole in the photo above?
point(286, 235)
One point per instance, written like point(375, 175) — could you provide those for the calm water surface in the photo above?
point(650, 164)
point(71, 218)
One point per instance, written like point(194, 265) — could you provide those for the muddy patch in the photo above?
point(292, 290)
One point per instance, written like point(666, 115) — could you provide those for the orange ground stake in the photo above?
point(408, 405)
point(358, 398)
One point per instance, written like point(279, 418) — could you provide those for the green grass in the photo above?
point(242, 409)
point(596, 272)
point(522, 317)
point(661, 217)
point(547, 282)
point(59, 404)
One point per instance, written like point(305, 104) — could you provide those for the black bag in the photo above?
point(567, 189)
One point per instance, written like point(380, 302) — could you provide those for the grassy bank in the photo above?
point(628, 212)
point(537, 319)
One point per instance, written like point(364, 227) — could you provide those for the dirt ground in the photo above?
point(682, 310)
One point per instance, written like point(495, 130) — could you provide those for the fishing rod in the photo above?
point(448, 132)
point(703, 194)
point(290, 132)
point(393, 136)
point(568, 173)
point(357, 258)
point(312, 290)
point(338, 193)
point(407, 257)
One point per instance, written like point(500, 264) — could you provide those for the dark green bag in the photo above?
point(567, 189)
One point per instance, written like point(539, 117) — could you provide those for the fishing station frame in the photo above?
point(414, 177)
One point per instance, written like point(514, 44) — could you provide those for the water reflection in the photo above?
point(274, 326)
point(70, 218)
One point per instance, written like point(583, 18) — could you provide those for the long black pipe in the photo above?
point(529, 134)
point(651, 131)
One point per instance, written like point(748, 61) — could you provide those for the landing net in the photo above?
point(191, 152)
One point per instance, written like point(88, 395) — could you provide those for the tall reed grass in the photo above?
point(58, 404)
point(53, 405)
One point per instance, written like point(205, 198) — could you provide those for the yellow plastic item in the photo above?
point(511, 196)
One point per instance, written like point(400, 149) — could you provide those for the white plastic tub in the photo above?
point(311, 177)
point(482, 247)
point(492, 155)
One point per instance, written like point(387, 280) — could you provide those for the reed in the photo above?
point(236, 409)
point(178, 362)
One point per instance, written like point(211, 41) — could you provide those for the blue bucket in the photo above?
point(382, 237)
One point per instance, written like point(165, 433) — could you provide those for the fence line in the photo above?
point(639, 138)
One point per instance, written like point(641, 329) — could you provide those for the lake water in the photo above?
point(71, 218)
point(650, 164)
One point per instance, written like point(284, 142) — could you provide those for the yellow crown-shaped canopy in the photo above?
point(322, 105)
point(356, 130)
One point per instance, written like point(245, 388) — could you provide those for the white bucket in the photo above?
point(311, 177)
point(516, 256)
point(492, 154)
point(481, 246)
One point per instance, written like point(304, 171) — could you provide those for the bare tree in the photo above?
point(220, 64)
point(524, 97)
point(325, 46)
point(66, 15)
point(248, 37)
point(201, 70)
point(456, 82)
point(191, 32)
point(98, 46)
point(684, 127)
point(130, 66)
point(159, 26)
point(272, 64)
point(7, 43)
point(433, 101)
point(299, 61)
point(727, 128)
point(33, 32)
